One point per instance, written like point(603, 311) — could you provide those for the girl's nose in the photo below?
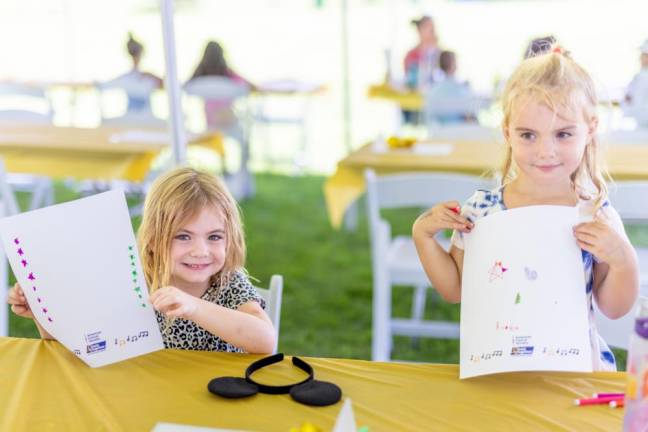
point(199, 248)
point(547, 147)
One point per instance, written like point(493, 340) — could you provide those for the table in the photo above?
point(407, 99)
point(45, 387)
point(106, 153)
point(346, 185)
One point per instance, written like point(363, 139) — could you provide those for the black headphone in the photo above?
point(308, 391)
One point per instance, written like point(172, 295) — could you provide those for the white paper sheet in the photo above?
point(523, 301)
point(78, 265)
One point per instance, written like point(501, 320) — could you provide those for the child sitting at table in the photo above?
point(549, 126)
point(450, 100)
point(218, 111)
point(192, 250)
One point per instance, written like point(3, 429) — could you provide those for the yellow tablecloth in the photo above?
point(105, 153)
point(44, 387)
point(408, 100)
point(624, 162)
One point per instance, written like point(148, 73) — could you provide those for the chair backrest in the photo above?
point(465, 132)
point(273, 296)
point(630, 199)
point(132, 83)
point(420, 189)
point(423, 190)
point(8, 207)
point(216, 87)
point(24, 103)
point(136, 119)
point(617, 332)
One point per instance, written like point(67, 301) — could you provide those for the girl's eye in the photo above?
point(182, 237)
point(215, 237)
point(527, 135)
point(563, 135)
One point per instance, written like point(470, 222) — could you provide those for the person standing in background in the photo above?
point(422, 62)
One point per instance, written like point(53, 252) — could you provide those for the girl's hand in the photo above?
point(18, 302)
point(445, 215)
point(174, 302)
point(604, 242)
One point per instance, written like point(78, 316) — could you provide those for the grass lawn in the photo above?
point(326, 309)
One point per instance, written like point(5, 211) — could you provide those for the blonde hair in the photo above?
point(555, 79)
point(174, 198)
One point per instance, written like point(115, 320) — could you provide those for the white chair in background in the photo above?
point(273, 296)
point(395, 260)
point(135, 86)
point(24, 104)
point(617, 332)
point(284, 103)
point(630, 199)
point(8, 207)
point(231, 94)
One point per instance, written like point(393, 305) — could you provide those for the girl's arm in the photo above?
point(616, 274)
point(616, 286)
point(247, 327)
point(441, 267)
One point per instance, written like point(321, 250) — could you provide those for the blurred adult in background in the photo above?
point(636, 98)
point(218, 111)
point(137, 84)
point(450, 100)
point(422, 62)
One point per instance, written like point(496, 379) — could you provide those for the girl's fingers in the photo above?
point(452, 205)
point(458, 218)
point(165, 304)
point(453, 223)
point(457, 226)
point(585, 236)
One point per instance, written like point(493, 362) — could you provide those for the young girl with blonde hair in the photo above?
point(552, 153)
point(192, 251)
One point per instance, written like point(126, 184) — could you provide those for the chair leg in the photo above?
point(418, 308)
point(381, 341)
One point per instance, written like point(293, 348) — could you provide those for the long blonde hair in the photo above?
point(555, 79)
point(174, 198)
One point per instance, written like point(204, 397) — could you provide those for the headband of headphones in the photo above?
point(308, 391)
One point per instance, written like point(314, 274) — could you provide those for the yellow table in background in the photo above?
point(346, 185)
point(106, 153)
point(44, 387)
point(407, 99)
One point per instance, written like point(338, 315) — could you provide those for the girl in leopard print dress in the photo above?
point(193, 251)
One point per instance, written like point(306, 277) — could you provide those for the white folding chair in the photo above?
point(134, 85)
point(273, 297)
point(630, 200)
point(395, 261)
point(240, 183)
point(8, 206)
point(284, 103)
point(23, 103)
point(617, 332)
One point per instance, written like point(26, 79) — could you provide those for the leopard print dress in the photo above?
point(187, 335)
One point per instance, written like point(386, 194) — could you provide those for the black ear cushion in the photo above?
point(316, 393)
point(231, 387)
